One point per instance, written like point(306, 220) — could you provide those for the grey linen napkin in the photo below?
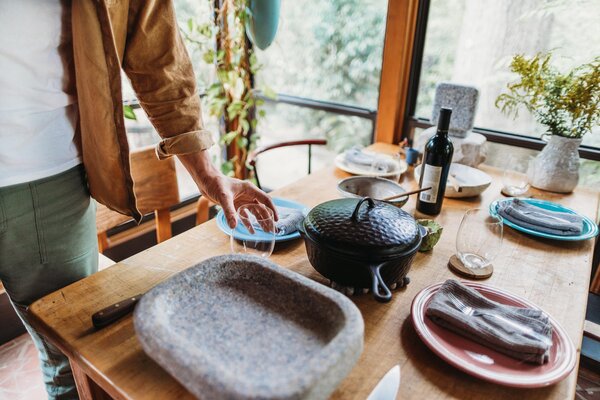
point(289, 218)
point(521, 333)
point(536, 218)
point(358, 157)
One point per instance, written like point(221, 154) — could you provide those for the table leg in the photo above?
point(86, 387)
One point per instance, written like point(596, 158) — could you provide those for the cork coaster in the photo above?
point(474, 273)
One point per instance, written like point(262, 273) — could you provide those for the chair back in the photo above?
point(156, 190)
point(253, 157)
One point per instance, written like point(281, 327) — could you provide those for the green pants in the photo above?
point(47, 241)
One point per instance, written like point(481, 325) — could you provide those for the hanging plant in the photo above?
point(231, 98)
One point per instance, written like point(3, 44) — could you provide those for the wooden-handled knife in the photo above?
point(110, 314)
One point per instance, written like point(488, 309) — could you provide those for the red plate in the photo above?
point(485, 363)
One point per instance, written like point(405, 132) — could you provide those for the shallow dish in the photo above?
point(471, 181)
point(241, 233)
point(340, 162)
point(241, 327)
point(483, 362)
point(590, 229)
point(373, 187)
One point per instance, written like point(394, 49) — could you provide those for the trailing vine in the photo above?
point(231, 97)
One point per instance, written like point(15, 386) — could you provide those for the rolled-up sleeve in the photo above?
point(184, 143)
point(159, 68)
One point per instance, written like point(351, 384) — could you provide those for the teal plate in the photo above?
point(590, 229)
point(241, 233)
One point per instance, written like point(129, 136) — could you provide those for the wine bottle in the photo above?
point(435, 167)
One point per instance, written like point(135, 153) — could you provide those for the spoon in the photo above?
point(397, 196)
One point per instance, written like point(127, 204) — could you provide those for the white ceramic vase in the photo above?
point(556, 168)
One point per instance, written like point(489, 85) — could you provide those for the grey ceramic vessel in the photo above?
point(241, 327)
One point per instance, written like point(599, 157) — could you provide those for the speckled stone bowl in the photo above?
point(241, 327)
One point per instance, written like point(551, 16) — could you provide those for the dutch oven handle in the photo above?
point(360, 203)
point(378, 283)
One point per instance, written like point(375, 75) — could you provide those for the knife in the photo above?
point(388, 386)
point(110, 314)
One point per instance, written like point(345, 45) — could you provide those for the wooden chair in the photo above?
point(253, 157)
point(203, 206)
point(155, 186)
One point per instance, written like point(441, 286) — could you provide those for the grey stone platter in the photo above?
point(241, 327)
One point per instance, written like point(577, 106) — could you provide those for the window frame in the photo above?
point(411, 121)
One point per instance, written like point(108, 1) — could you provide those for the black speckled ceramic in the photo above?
point(241, 327)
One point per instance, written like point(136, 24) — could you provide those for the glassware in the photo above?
point(479, 238)
point(515, 176)
point(255, 231)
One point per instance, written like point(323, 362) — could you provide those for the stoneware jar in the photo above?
point(556, 168)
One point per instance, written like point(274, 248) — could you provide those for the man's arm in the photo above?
point(161, 73)
point(228, 192)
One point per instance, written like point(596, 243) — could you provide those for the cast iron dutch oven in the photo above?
point(362, 243)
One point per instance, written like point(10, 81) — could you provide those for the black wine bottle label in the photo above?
point(431, 178)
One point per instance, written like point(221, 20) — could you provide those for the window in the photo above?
point(472, 42)
point(325, 63)
point(328, 50)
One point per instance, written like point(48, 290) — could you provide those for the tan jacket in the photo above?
point(142, 38)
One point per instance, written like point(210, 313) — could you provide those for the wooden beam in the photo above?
point(395, 72)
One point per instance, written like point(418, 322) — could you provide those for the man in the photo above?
point(61, 108)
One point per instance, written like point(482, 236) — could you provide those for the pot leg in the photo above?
point(380, 290)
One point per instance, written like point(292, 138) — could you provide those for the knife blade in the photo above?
point(110, 314)
point(387, 387)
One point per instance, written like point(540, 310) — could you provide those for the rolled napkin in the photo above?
point(356, 156)
point(289, 218)
point(521, 333)
point(529, 216)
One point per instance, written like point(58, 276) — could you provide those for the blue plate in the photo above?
point(590, 229)
point(240, 232)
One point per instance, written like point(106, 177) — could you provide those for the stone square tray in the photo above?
point(241, 327)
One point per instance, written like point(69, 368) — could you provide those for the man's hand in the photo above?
point(230, 193)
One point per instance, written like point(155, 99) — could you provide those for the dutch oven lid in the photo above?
point(364, 227)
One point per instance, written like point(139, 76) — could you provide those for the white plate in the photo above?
point(340, 162)
point(472, 181)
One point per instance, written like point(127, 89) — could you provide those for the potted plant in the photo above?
point(568, 105)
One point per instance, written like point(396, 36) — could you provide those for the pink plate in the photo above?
point(485, 363)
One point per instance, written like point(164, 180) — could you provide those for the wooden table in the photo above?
point(110, 361)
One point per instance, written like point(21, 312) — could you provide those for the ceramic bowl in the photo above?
point(373, 187)
point(470, 181)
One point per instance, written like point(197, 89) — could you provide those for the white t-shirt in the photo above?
point(38, 106)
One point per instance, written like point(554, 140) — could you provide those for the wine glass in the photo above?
point(255, 231)
point(479, 238)
point(515, 176)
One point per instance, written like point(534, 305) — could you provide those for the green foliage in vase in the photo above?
point(567, 104)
